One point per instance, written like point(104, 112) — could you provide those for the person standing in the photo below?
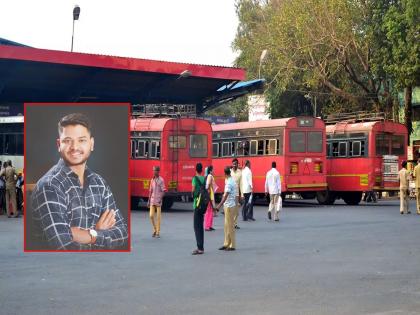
point(273, 188)
point(403, 176)
point(211, 187)
point(247, 208)
point(236, 174)
point(2, 194)
point(416, 176)
point(229, 203)
point(10, 177)
point(198, 182)
point(156, 193)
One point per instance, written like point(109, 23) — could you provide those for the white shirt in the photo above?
point(246, 180)
point(272, 182)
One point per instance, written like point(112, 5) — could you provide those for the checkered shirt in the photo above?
point(59, 203)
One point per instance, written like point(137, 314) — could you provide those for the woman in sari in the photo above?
point(211, 187)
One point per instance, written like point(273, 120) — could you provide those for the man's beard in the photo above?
point(70, 163)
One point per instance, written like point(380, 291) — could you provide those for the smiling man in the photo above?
point(73, 206)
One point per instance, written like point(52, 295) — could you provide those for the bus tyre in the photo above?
point(135, 203)
point(325, 197)
point(167, 203)
point(352, 198)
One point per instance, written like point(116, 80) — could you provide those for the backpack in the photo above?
point(203, 198)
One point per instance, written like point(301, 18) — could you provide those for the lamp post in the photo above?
point(262, 57)
point(76, 13)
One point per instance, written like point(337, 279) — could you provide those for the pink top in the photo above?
point(157, 190)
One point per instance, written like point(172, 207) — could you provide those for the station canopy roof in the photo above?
point(30, 74)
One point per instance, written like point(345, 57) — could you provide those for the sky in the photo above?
point(192, 31)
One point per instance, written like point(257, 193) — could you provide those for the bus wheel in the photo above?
point(135, 203)
point(167, 203)
point(352, 198)
point(325, 197)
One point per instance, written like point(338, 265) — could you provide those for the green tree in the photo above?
point(401, 61)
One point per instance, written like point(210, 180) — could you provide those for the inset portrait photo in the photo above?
point(76, 177)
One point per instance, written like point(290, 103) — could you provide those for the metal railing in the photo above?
point(164, 110)
point(354, 117)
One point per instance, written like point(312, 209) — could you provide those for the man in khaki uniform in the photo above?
point(236, 174)
point(403, 175)
point(416, 175)
point(10, 176)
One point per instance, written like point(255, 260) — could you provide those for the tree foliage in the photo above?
point(344, 52)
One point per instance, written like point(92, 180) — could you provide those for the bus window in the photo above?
point(271, 146)
point(334, 150)
point(382, 144)
point(397, 147)
point(260, 147)
point(315, 141)
point(279, 148)
point(19, 144)
point(198, 145)
point(297, 141)
point(10, 144)
point(177, 142)
point(226, 149)
point(140, 148)
point(133, 148)
point(242, 148)
point(355, 148)
point(215, 149)
point(233, 148)
point(155, 150)
point(254, 147)
point(342, 149)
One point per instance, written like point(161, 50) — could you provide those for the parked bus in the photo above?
point(173, 144)
point(363, 156)
point(11, 141)
point(297, 144)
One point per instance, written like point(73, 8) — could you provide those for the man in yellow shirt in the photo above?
point(403, 175)
point(416, 175)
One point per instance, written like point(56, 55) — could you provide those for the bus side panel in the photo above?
point(351, 174)
point(141, 171)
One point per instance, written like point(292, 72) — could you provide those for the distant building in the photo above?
point(258, 107)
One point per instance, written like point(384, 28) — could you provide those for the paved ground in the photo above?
point(317, 260)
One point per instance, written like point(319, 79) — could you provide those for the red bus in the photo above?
point(297, 144)
point(363, 156)
point(173, 144)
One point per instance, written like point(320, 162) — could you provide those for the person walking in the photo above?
point(236, 174)
point(273, 188)
point(229, 204)
point(10, 176)
point(416, 176)
point(198, 182)
point(156, 193)
point(403, 176)
point(211, 187)
point(247, 208)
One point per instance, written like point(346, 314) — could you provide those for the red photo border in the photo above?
point(25, 250)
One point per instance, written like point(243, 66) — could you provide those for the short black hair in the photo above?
point(74, 119)
point(404, 163)
point(247, 163)
point(227, 170)
point(273, 164)
point(209, 169)
point(199, 167)
point(235, 160)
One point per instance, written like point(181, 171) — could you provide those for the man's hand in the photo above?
point(80, 236)
point(106, 221)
